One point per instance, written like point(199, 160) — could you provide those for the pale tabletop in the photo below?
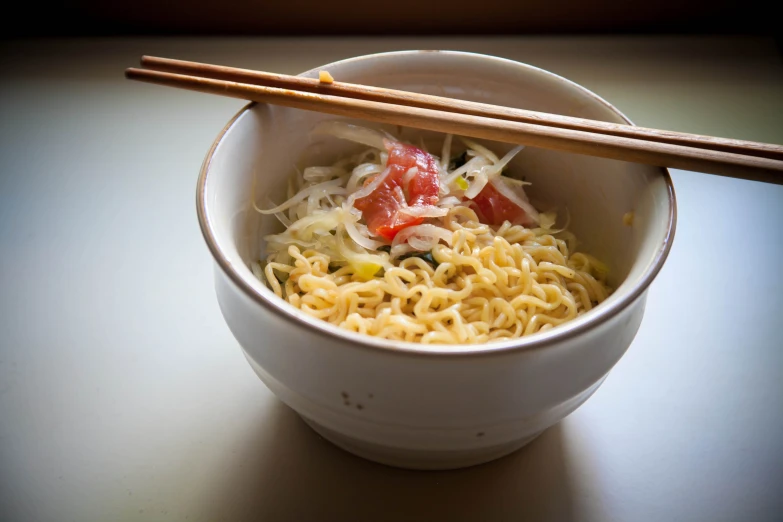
point(123, 395)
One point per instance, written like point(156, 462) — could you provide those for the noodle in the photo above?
point(478, 283)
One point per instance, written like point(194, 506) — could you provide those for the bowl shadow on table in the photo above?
point(285, 471)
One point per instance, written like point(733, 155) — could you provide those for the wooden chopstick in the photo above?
point(569, 140)
point(424, 101)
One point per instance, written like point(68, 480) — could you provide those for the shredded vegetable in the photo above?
point(397, 243)
point(337, 208)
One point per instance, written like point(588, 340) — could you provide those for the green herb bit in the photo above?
point(426, 256)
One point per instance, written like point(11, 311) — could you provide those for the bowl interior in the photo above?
point(259, 150)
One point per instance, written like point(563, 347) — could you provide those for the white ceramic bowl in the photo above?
point(434, 407)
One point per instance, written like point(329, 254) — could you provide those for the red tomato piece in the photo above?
point(495, 208)
point(381, 209)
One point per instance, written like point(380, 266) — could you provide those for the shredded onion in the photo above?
point(480, 180)
point(449, 201)
point(321, 189)
point(361, 172)
point(409, 175)
point(480, 149)
point(423, 244)
point(426, 236)
point(517, 196)
point(400, 250)
point(318, 222)
point(547, 221)
point(362, 261)
point(426, 211)
point(489, 172)
point(445, 154)
point(369, 189)
point(283, 219)
point(322, 173)
point(472, 165)
point(498, 167)
point(400, 196)
point(285, 240)
point(347, 131)
point(358, 238)
point(516, 182)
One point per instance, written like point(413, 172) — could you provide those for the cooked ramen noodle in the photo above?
point(398, 243)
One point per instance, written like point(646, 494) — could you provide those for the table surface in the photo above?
point(123, 395)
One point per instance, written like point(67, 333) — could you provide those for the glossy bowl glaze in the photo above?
point(419, 406)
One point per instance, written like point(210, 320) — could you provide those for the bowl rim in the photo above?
point(543, 340)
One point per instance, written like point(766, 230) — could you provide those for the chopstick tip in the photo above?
point(132, 73)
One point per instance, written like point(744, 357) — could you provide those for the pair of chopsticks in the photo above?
point(722, 156)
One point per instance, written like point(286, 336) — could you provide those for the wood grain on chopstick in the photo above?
point(568, 140)
point(424, 101)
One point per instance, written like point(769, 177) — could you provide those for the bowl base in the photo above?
point(418, 459)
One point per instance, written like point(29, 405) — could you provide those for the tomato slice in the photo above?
point(381, 209)
point(495, 208)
